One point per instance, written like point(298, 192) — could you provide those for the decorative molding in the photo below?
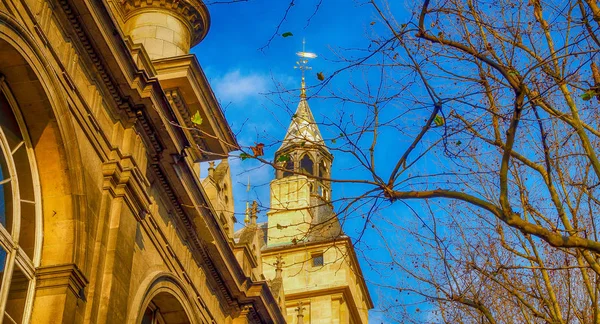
point(127, 182)
point(63, 275)
point(135, 114)
point(139, 116)
point(184, 74)
point(191, 233)
point(178, 103)
point(193, 12)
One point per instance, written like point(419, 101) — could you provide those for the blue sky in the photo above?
point(251, 71)
point(242, 71)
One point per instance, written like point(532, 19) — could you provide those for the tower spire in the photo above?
point(303, 130)
point(302, 65)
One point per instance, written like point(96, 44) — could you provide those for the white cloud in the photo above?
point(238, 87)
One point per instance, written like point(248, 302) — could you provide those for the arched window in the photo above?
point(20, 213)
point(322, 170)
point(164, 309)
point(306, 165)
point(289, 166)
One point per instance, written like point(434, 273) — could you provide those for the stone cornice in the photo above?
point(214, 137)
point(192, 12)
point(177, 102)
point(65, 275)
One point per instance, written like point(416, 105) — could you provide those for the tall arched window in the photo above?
point(322, 170)
point(289, 167)
point(20, 213)
point(306, 165)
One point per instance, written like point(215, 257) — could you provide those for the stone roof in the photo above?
point(246, 234)
point(303, 130)
point(221, 170)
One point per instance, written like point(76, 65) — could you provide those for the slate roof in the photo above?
point(303, 130)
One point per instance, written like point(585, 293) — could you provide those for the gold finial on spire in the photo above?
point(302, 64)
point(247, 216)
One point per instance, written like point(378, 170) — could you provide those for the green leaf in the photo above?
point(196, 119)
point(588, 95)
point(439, 120)
point(458, 143)
point(320, 76)
point(302, 144)
point(283, 158)
point(333, 141)
point(245, 156)
point(287, 34)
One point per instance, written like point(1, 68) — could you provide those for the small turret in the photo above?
point(167, 28)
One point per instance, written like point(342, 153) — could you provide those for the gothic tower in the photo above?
point(301, 193)
point(322, 280)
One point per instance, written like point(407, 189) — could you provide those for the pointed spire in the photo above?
point(303, 89)
point(253, 213)
point(302, 65)
point(247, 216)
point(303, 129)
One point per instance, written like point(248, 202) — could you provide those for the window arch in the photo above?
point(20, 213)
point(322, 170)
point(289, 168)
point(164, 302)
point(306, 165)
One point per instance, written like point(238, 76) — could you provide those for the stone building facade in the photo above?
point(103, 216)
point(104, 120)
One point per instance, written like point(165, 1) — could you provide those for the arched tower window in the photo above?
point(306, 165)
point(289, 168)
point(322, 170)
point(20, 212)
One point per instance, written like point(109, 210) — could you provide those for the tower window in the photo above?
point(289, 168)
point(322, 170)
point(306, 165)
point(317, 259)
